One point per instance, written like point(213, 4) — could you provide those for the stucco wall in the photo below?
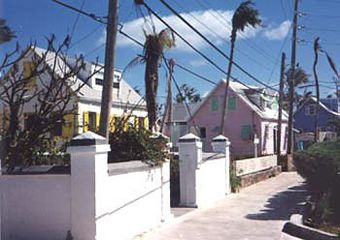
point(134, 201)
point(35, 207)
point(252, 165)
point(210, 181)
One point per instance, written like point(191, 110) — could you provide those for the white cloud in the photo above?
point(212, 19)
point(197, 63)
point(210, 23)
point(279, 32)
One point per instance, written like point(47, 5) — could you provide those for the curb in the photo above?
point(296, 228)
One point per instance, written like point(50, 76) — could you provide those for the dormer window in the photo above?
point(99, 81)
point(310, 110)
point(115, 84)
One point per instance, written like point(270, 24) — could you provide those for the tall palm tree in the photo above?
point(317, 48)
point(245, 15)
point(154, 46)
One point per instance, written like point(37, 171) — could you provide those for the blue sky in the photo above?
point(257, 50)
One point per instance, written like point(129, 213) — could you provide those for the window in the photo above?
point(92, 121)
point(214, 104)
point(310, 110)
point(203, 132)
point(232, 103)
point(58, 128)
point(115, 84)
point(141, 123)
point(246, 132)
point(99, 81)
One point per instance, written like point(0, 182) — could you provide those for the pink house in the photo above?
point(252, 113)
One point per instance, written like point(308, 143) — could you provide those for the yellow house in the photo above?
point(127, 104)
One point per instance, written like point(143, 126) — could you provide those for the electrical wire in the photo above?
point(209, 42)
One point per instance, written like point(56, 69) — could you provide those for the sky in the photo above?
point(257, 50)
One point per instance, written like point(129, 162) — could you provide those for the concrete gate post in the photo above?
point(88, 173)
point(221, 144)
point(190, 158)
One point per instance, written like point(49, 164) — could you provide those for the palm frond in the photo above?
point(332, 64)
point(6, 34)
point(139, 59)
point(245, 15)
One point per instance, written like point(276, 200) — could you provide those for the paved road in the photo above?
point(257, 212)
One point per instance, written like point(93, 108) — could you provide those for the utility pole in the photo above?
point(279, 125)
point(111, 33)
point(290, 149)
point(168, 119)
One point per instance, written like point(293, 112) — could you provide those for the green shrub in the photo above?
point(137, 144)
point(235, 181)
point(319, 165)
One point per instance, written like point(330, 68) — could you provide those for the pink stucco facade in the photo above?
point(243, 115)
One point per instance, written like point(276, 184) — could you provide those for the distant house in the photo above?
point(251, 113)
point(305, 115)
point(88, 101)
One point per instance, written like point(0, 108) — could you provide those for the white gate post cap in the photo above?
point(89, 139)
point(221, 138)
point(190, 137)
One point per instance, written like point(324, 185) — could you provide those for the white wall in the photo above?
point(35, 207)
point(133, 202)
point(202, 182)
point(252, 165)
point(210, 181)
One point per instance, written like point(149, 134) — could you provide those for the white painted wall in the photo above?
point(129, 201)
point(210, 182)
point(133, 203)
point(35, 207)
point(90, 202)
point(252, 165)
point(201, 182)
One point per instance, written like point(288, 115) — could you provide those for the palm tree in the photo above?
point(317, 48)
point(6, 34)
point(245, 15)
point(188, 93)
point(152, 55)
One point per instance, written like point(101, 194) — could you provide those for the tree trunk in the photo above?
point(225, 97)
point(151, 83)
point(316, 48)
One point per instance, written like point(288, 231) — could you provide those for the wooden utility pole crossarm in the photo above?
point(111, 33)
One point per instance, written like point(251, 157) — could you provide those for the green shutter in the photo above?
point(245, 132)
point(232, 103)
point(214, 104)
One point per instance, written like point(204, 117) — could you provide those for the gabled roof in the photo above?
point(127, 94)
point(323, 106)
point(243, 92)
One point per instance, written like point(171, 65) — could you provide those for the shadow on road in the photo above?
point(281, 205)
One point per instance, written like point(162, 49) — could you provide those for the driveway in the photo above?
point(257, 212)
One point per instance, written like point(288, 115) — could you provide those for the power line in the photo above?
point(249, 43)
point(140, 44)
point(278, 57)
point(90, 15)
point(221, 37)
point(207, 40)
point(76, 20)
point(87, 35)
